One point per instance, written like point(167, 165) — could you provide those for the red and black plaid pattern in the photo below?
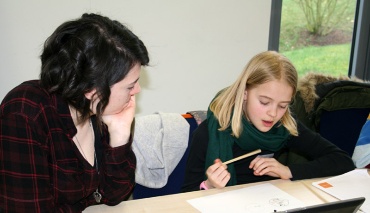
point(41, 169)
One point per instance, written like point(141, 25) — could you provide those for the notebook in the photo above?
point(342, 206)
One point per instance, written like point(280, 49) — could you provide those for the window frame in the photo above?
point(359, 62)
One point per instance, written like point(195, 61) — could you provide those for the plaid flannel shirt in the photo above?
point(41, 169)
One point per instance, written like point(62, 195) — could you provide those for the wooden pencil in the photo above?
point(243, 156)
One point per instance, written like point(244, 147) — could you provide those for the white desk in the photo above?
point(302, 190)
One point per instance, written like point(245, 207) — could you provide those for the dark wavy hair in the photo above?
point(92, 52)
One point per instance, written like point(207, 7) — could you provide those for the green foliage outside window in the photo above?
point(326, 51)
point(322, 16)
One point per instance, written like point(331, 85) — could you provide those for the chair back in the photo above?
point(176, 178)
point(343, 127)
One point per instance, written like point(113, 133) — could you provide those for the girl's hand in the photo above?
point(119, 125)
point(271, 167)
point(217, 175)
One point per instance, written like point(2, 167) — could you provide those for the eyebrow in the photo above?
point(262, 96)
point(134, 82)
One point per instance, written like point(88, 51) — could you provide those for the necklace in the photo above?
point(78, 142)
point(96, 194)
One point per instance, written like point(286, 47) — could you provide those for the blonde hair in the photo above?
point(263, 67)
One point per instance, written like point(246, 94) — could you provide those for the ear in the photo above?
point(245, 95)
point(90, 95)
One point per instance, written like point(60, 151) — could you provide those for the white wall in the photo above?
point(196, 47)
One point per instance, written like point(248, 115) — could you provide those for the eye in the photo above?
point(264, 103)
point(283, 107)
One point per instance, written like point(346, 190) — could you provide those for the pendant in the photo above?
point(97, 196)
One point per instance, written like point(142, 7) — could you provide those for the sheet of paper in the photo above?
point(352, 184)
point(259, 198)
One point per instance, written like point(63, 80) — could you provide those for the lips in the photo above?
point(267, 123)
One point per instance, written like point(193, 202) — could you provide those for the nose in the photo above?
point(272, 111)
point(136, 89)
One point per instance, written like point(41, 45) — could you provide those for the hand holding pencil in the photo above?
point(217, 174)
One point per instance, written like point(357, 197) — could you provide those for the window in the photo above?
point(338, 49)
